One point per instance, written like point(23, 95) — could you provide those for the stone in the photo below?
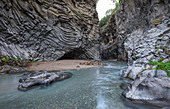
point(5, 69)
point(161, 73)
point(11, 69)
point(1, 68)
point(130, 31)
point(134, 72)
point(50, 31)
point(147, 72)
point(153, 90)
point(41, 78)
point(125, 71)
point(165, 60)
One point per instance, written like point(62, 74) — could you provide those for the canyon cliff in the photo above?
point(49, 29)
point(130, 17)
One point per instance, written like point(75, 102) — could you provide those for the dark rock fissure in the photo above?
point(73, 54)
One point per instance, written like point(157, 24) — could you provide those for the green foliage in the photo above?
point(3, 59)
point(162, 66)
point(95, 2)
point(104, 21)
point(160, 60)
point(134, 55)
point(19, 58)
point(32, 61)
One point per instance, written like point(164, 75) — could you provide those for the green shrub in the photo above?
point(32, 61)
point(162, 66)
point(3, 59)
point(104, 21)
point(160, 60)
point(19, 58)
point(134, 55)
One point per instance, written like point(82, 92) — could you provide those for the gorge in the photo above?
point(137, 33)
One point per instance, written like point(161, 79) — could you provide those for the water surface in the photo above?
point(93, 88)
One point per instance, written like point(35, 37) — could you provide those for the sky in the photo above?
point(103, 6)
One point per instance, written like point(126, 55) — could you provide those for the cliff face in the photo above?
point(147, 33)
point(49, 29)
point(142, 29)
point(132, 15)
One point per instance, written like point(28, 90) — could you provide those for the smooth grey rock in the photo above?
point(147, 72)
point(134, 72)
point(161, 73)
point(165, 60)
point(150, 90)
point(41, 78)
point(125, 71)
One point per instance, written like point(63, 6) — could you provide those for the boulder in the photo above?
point(41, 78)
point(7, 69)
point(149, 89)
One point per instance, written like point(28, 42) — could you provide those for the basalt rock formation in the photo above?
point(49, 29)
point(132, 16)
point(147, 32)
point(143, 28)
point(140, 30)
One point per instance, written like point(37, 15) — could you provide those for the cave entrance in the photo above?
point(73, 54)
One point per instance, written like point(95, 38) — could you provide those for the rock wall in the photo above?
point(131, 16)
point(49, 29)
point(143, 28)
point(147, 32)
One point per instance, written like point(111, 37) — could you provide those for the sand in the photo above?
point(58, 65)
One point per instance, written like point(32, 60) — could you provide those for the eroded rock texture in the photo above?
point(48, 29)
point(151, 90)
point(132, 15)
point(144, 27)
point(149, 34)
point(41, 78)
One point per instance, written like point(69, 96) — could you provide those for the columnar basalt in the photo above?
point(130, 16)
point(48, 29)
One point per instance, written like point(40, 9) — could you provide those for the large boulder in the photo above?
point(49, 29)
point(41, 78)
point(149, 89)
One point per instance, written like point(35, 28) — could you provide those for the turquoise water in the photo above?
point(93, 88)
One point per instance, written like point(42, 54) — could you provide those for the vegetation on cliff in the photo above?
point(103, 22)
point(162, 66)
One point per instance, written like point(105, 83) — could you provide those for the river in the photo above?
point(92, 88)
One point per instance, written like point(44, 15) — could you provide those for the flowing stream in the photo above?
point(93, 88)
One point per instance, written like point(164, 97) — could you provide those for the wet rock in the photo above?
point(149, 90)
point(11, 69)
point(131, 72)
point(41, 78)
